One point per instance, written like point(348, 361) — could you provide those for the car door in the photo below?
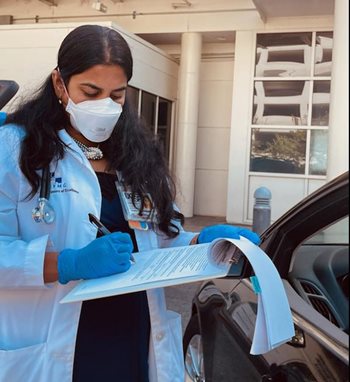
point(224, 311)
point(310, 248)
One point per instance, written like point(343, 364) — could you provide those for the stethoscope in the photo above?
point(44, 212)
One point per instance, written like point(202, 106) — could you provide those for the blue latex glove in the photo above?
point(208, 234)
point(104, 256)
point(2, 117)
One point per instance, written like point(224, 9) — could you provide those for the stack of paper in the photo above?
point(180, 265)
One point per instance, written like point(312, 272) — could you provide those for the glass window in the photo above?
point(283, 55)
point(148, 109)
point(291, 88)
point(320, 103)
point(164, 125)
point(278, 151)
point(318, 152)
point(323, 54)
point(133, 97)
point(281, 102)
point(337, 233)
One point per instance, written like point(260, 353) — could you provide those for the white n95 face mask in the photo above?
point(94, 119)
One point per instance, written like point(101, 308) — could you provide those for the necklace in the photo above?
point(91, 153)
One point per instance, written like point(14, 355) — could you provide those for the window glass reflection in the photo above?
point(280, 151)
point(282, 98)
point(323, 54)
point(320, 103)
point(337, 233)
point(164, 125)
point(318, 152)
point(148, 109)
point(281, 102)
point(283, 55)
point(133, 97)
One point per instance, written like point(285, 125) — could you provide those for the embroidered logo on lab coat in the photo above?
point(58, 185)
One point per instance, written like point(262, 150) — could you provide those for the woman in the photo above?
point(80, 131)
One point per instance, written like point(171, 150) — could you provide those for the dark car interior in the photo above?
point(320, 274)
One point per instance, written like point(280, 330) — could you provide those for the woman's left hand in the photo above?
point(2, 117)
point(208, 234)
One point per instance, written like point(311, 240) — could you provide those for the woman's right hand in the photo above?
point(104, 256)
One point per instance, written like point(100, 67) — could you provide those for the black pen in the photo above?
point(103, 230)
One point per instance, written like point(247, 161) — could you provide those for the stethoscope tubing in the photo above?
point(44, 212)
point(45, 183)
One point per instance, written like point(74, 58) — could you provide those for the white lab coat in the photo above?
point(37, 333)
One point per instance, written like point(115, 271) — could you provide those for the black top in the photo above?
point(113, 333)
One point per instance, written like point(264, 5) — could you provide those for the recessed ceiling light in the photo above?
point(99, 6)
point(184, 4)
point(49, 2)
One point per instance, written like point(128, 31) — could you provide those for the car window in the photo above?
point(337, 233)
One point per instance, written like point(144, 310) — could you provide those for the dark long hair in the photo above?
point(131, 149)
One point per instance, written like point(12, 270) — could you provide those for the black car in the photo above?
point(309, 246)
point(8, 89)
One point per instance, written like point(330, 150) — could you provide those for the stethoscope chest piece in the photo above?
point(44, 212)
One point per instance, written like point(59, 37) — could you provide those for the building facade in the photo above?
point(241, 96)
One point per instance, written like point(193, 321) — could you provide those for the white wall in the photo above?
point(213, 137)
point(214, 124)
point(239, 138)
point(28, 55)
point(150, 15)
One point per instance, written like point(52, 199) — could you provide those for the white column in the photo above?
point(187, 120)
point(338, 140)
point(237, 194)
